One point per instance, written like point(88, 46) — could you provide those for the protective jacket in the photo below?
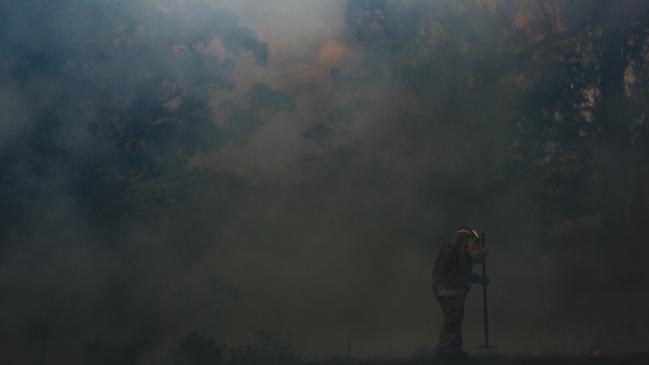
point(452, 273)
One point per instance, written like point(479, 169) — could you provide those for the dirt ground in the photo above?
point(526, 359)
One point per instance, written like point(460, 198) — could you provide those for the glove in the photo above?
point(480, 279)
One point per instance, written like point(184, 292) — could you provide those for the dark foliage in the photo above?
point(198, 350)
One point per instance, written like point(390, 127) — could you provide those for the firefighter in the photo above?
point(452, 279)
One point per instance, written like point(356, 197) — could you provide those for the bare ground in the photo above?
point(527, 359)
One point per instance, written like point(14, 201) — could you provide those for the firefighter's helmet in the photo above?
point(466, 230)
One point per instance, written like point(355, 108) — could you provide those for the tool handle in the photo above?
point(484, 296)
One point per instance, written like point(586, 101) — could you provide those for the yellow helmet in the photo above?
point(465, 230)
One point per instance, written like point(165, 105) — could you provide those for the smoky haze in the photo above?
point(223, 167)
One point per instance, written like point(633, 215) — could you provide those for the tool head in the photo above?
point(486, 351)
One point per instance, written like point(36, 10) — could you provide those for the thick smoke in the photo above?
point(174, 171)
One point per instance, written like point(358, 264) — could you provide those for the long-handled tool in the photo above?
point(483, 244)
